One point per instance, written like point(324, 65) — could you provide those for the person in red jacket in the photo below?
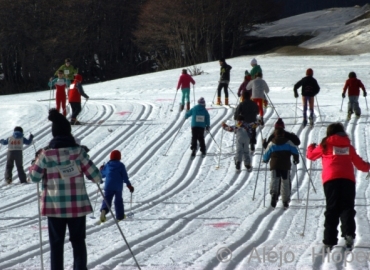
point(184, 82)
point(338, 177)
point(74, 97)
point(243, 86)
point(353, 86)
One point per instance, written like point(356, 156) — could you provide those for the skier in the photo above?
point(243, 86)
point(310, 88)
point(115, 175)
point(184, 82)
point(243, 131)
point(60, 83)
point(259, 87)
point(200, 120)
point(278, 152)
point(74, 97)
point(68, 69)
point(338, 177)
point(64, 198)
point(15, 154)
point(224, 81)
point(290, 136)
point(255, 69)
point(249, 110)
point(353, 86)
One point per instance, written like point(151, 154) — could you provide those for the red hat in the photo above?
point(309, 72)
point(279, 123)
point(78, 77)
point(115, 155)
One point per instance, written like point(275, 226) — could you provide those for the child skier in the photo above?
point(310, 88)
point(115, 175)
point(353, 86)
point(255, 69)
point(200, 120)
point(74, 97)
point(243, 131)
point(60, 84)
point(184, 82)
point(259, 87)
point(243, 86)
point(278, 152)
point(224, 81)
point(15, 154)
point(338, 177)
point(290, 136)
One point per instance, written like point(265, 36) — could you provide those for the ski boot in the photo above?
point(227, 101)
point(9, 181)
point(237, 165)
point(262, 123)
point(274, 200)
point(328, 248)
point(349, 115)
point(248, 167)
point(349, 242)
point(304, 122)
point(286, 205)
point(204, 154)
point(218, 101)
point(181, 107)
point(252, 148)
point(103, 218)
point(188, 106)
point(358, 115)
point(310, 119)
point(193, 152)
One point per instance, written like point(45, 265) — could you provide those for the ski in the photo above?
point(49, 99)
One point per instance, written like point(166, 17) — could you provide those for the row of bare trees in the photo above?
point(117, 38)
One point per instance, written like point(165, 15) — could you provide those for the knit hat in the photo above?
point(309, 72)
point(352, 75)
point(201, 101)
point(60, 125)
point(68, 60)
point(115, 155)
point(254, 61)
point(78, 77)
point(246, 73)
point(279, 123)
point(222, 60)
point(18, 129)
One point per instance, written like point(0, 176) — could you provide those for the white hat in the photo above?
point(254, 61)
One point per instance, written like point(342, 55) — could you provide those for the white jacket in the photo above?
point(258, 87)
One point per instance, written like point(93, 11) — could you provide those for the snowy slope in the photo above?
point(188, 214)
point(334, 28)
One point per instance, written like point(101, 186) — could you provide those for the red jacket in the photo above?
point(338, 159)
point(73, 94)
point(184, 81)
point(353, 85)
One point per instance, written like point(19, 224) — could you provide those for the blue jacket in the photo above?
point(199, 116)
point(18, 135)
point(115, 173)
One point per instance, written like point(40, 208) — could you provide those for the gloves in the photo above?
point(131, 188)
point(296, 161)
point(296, 95)
point(239, 95)
point(223, 124)
point(365, 93)
point(344, 95)
point(101, 167)
point(207, 128)
point(31, 136)
point(313, 145)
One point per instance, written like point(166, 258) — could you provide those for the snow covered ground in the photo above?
point(188, 214)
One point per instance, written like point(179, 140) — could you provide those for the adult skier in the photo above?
point(224, 81)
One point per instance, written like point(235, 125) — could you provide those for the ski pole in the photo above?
point(96, 200)
point(296, 176)
point(318, 107)
point(367, 108)
point(305, 215)
point(219, 156)
point(295, 114)
point(194, 93)
point(130, 215)
point(173, 104)
point(119, 228)
point(272, 105)
point(213, 100)
point(309, 175)
point(234, 94)
point(342, 104)
point(264, 189)
point(259, 168)
point(40, 232)
point(213, 139)
point(175, 136)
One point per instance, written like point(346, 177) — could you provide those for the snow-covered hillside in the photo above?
point(188, 214)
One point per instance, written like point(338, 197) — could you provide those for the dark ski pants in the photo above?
point(76, 109)
point(281, 183)
point(225, 86)
point(340, 204)
point(198, 135)
point(118, 202)
point(77, 234)
point(17, 157)
point(308, 102)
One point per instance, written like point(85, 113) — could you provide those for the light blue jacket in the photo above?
point(199, 116)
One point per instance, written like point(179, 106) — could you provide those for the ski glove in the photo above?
point(343, 95)
point(296, 95)
point(207, 128)
point(131, 188)
point(296, 161)
point(365, 93)
point(31, 136)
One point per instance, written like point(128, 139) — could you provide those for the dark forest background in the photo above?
point(118, 38)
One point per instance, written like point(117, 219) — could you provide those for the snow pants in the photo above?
point(259, 102)
point(280, 184)
point(353, 105)
point(225, 86)
point(77, 235)
point(242, 146)
point(118, 202)
point(61, 102)
point(340, 205)
point(310, 102)
point(185, 96)
point(76, 109)
point(197, 134)
point(17, 157)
